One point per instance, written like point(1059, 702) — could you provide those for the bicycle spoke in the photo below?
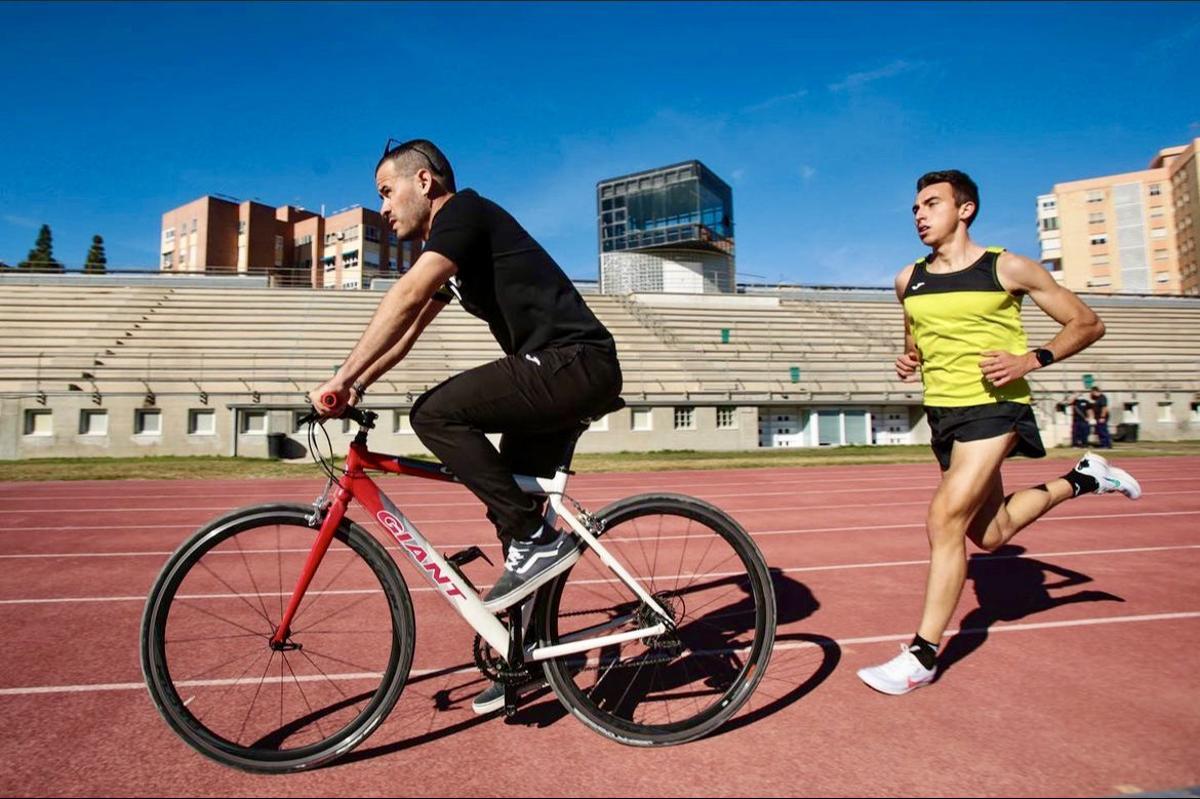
point(253, 582)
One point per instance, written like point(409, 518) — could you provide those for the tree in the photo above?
point(41, 257)
point(96, 262)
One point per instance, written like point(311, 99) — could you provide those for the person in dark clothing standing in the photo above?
point(560, 364)
point(1080, 418)
point(1100, 415)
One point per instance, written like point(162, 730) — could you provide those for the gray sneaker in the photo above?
point(529, 566)
point(492, 697)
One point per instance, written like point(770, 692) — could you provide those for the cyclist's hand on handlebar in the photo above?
point(331, 398)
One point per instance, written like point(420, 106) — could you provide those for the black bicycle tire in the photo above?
point(166, 699)
point(558, 671)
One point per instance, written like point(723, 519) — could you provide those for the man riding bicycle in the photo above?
point(560, 363)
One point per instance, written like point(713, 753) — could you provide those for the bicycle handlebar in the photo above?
point(363, 418)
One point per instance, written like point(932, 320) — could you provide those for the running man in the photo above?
point(962, 329)
point(560, 365)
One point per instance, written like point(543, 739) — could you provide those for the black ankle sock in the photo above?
point(1080, 483)
point(544, 535)
point(924, 651)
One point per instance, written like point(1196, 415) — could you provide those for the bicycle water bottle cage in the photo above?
point(460, 559)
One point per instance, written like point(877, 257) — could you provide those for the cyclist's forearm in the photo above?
point(392, 320)
point(385, 362)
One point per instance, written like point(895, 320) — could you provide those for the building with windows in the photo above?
point(668, 229)
point(291, 246)
point(1132, 232)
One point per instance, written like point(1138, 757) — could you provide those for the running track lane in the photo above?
point(1048, 701)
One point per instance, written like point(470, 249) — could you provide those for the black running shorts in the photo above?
point(978, 422)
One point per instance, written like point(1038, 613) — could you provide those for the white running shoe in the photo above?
point(1107, 476)
point(899, 675)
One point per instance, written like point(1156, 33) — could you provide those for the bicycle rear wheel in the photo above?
point(206, 652)
point(706, 571)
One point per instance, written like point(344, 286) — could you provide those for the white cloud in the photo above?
point(774, 101)
point(857, 80)
point(807, 172)
point(21, 221)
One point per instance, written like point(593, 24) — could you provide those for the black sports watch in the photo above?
point(1044, 356)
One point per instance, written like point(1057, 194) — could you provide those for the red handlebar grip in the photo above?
point(329, 401)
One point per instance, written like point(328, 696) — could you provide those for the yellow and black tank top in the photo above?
point(956, 317)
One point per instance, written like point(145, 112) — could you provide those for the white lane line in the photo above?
point(470, 500)
point(806, 476)
point(495, 544)
point(785, 646)
point(474, 520)
point(790, 569)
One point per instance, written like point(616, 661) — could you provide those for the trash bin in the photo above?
point(275, 445)
point(1126, 431)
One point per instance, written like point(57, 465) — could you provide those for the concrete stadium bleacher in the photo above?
point(237, 352)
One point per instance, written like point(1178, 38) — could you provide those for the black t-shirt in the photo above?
point(1081, 405)
point(507, 279)
point(1100, 403)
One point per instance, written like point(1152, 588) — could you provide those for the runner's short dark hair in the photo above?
point(965, 189)
point(417, 154)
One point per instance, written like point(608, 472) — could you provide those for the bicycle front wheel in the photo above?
point(207, 656)
point(707, 573)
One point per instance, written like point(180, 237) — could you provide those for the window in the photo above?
point(1049, 204)
point(1100, 238)
point(1050, 223)
point(1158, 233)
point(641, 419)
point(93, 423)
point(726, 418)
point(1161, 255)
point(254, 422)
point(1155, 189)
point(1131, 412)
point(168, 260)
point(1196, 411)
point(1164, 411)
point(1099, 283)
point(350, 233)
point(1162, 277)
point(147, 422)
point(193, 224)
point(241, 226)
point(300, 242)
point(39, 422)
point(1093, 218)
point(169, 234)
point(1095, 196)
point(401, 423)
point(1155, 213)
point(1100, 260)
point(371, 233)
point(685, 418)
point(202, 422)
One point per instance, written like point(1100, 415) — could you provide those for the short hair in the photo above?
point(965, 189)
point(417, 154)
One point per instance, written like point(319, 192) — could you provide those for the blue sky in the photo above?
point(820, 116)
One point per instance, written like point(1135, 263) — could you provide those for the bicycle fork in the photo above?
point(329, 526)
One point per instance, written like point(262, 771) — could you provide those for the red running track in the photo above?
point(1054, 692)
